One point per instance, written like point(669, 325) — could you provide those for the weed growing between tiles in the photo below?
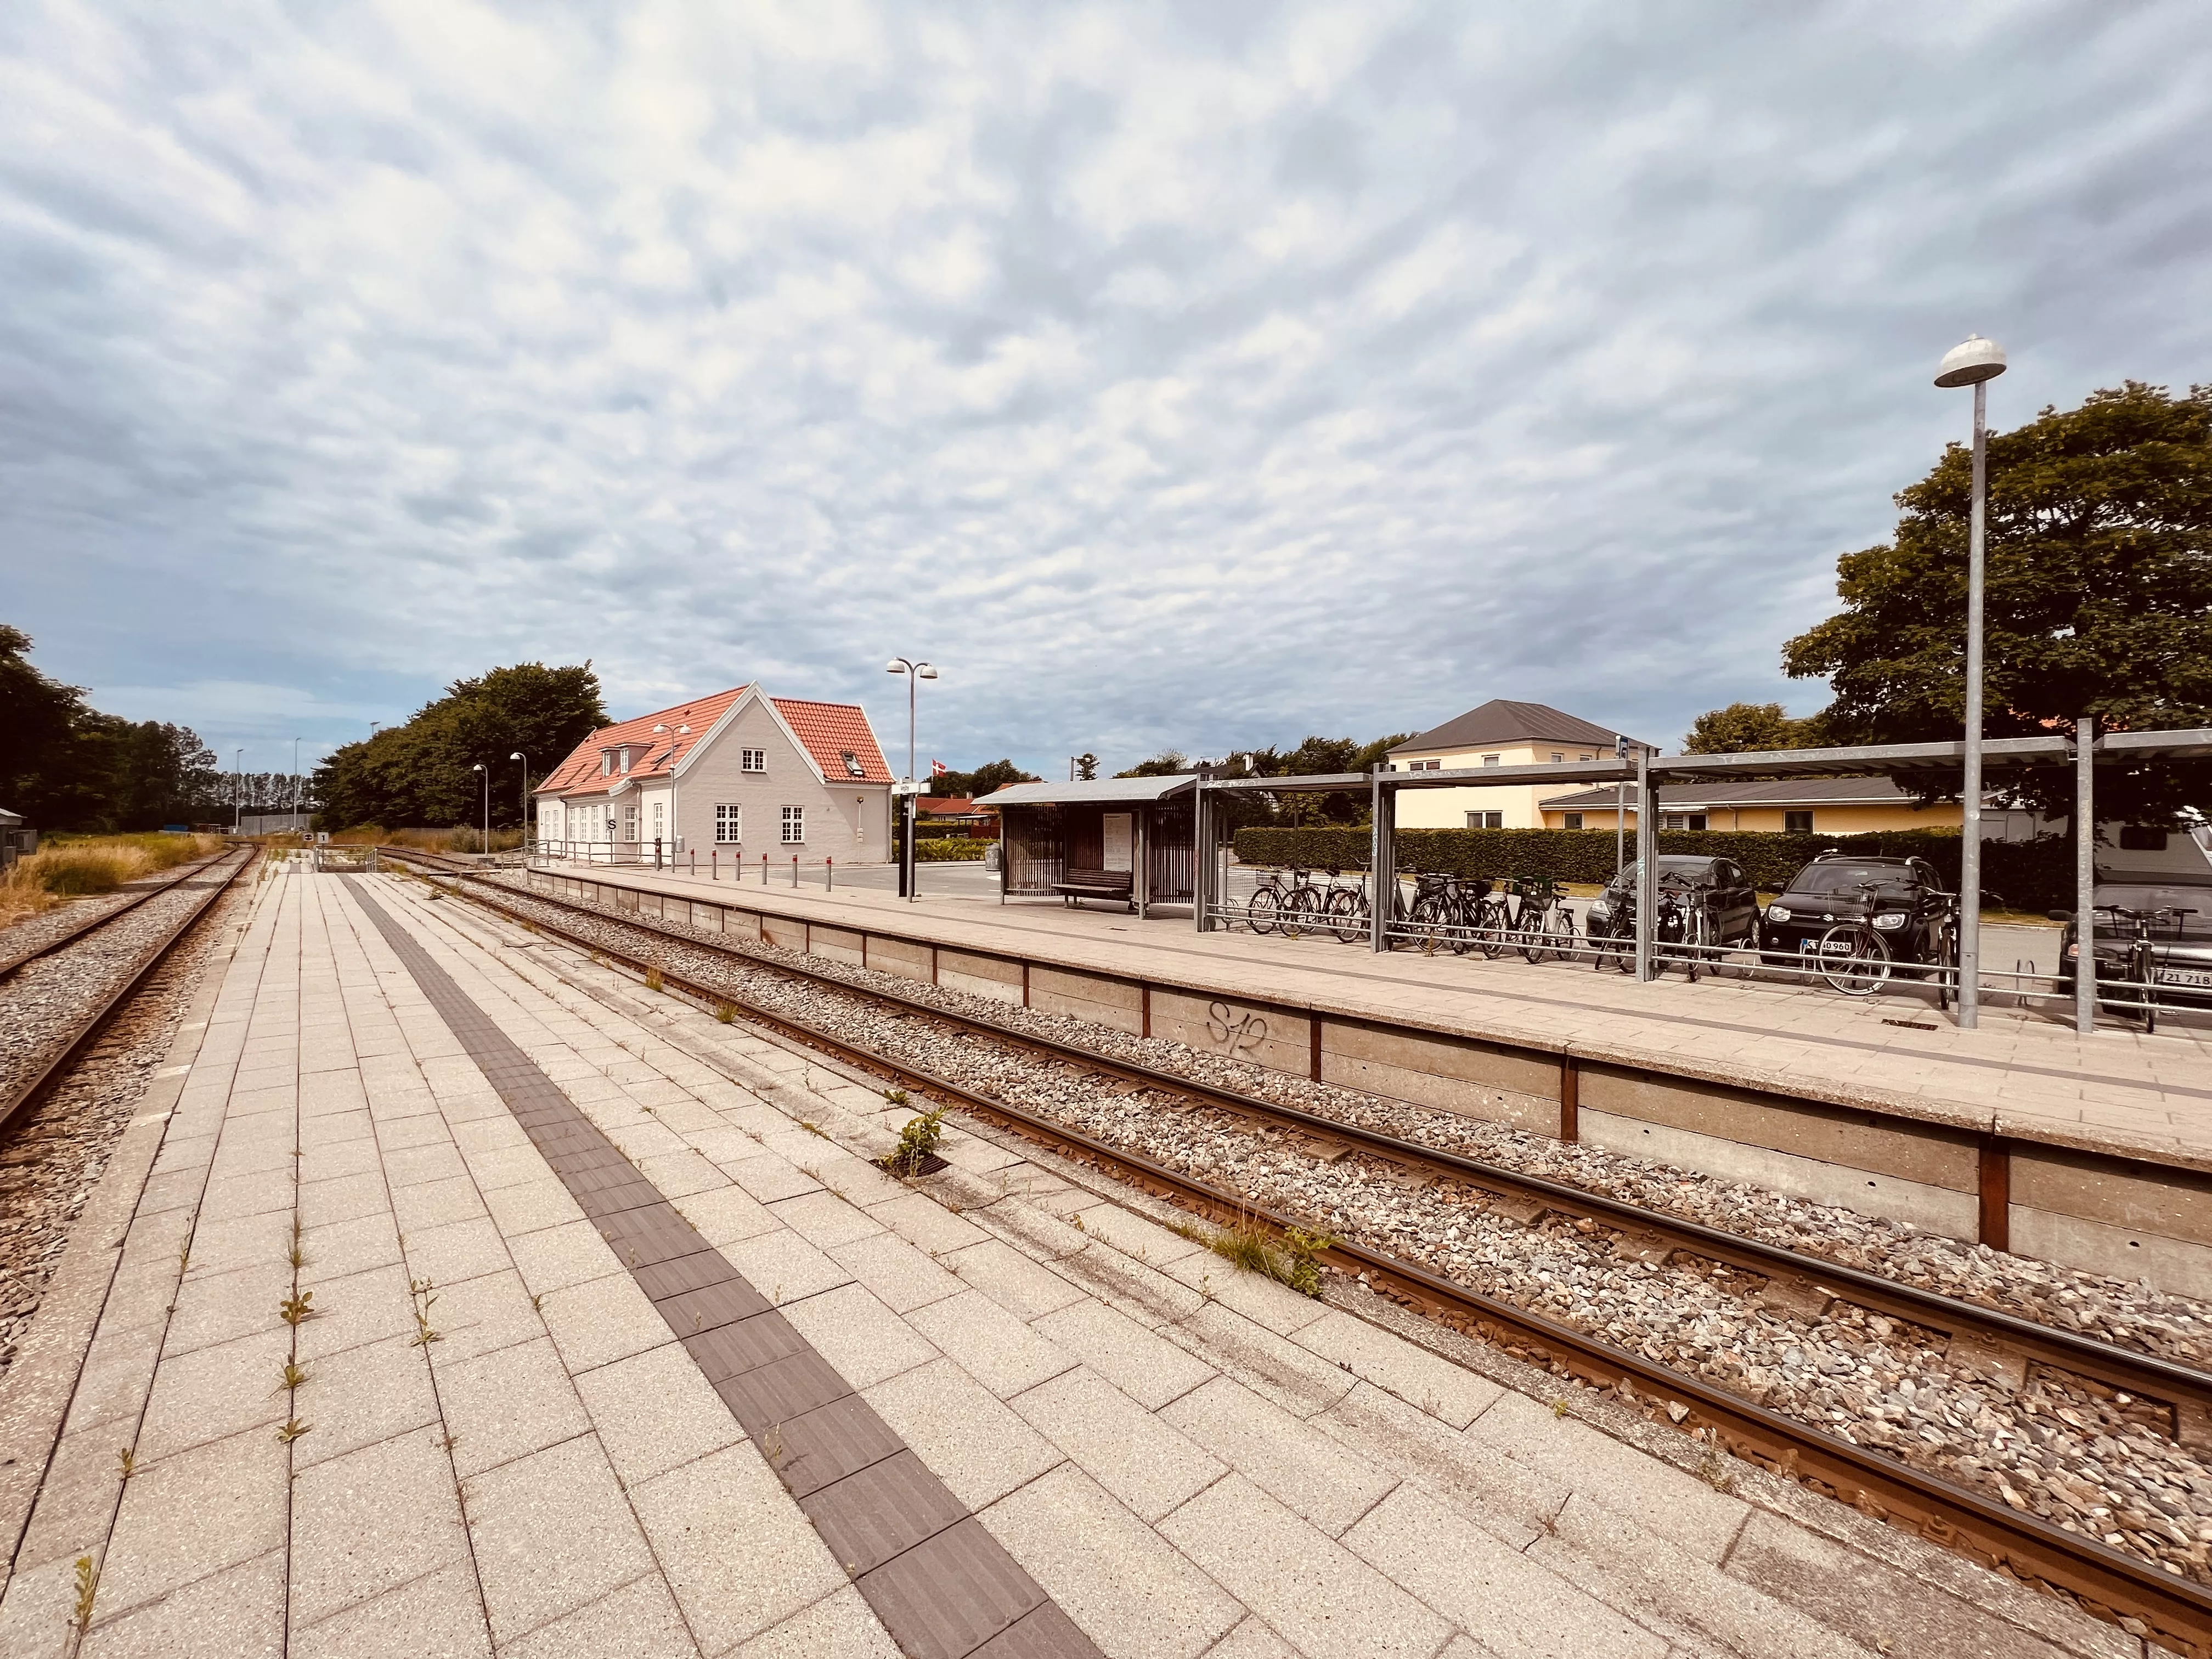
point(1292, 1259)
point(916, 1151)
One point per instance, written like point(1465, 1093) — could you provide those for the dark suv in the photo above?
point(1730, 900)
point(2177, 928)
point(1911, 906)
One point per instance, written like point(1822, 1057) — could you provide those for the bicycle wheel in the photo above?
point(1301, 912)
point(2144, 970)
point(1347, 908)
point(1528, 936)
point(1431, 913)
point(1853, 959)
point(1494, 926)
point(1947, 966)
point(1262, 910)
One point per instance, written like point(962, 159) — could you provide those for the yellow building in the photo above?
point(1805, 806)
point(1499, 734)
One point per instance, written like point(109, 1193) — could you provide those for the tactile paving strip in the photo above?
point(944, 1587)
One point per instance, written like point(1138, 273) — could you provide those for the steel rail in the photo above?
point(2177, 1611)
point(2183, 1388)
point(184, 873)
point(89, 1025)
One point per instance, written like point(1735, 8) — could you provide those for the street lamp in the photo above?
point(519, 755)
point(237, 791)
point(1975, 363)
point(486, 770)
point(916, 673)
point(296, 783)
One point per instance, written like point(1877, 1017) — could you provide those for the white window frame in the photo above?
point(1493, 760)
point(729, 824)
point(754, 761)
point(794, 818)
point(1571, 820)
point(1481, 820)
point(1789, 830)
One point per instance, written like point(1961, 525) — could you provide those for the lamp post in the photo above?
point(486, 770)
point(1975, 363)
point(915, 673)
point(519, 755)
point(237, 790)
point(296, 784)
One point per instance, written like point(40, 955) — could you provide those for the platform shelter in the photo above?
point(1125, 840)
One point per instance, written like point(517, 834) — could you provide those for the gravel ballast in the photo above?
point(2068, 1449)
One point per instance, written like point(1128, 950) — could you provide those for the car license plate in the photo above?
point(2184, 976)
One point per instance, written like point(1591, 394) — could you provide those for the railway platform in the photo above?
point(2092, 1151)
point(453, 1295)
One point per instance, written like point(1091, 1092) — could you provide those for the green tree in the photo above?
point(423, 772)
point(2100, 600)
point(1168, 763)
point(1744, 728)
point(973, 786)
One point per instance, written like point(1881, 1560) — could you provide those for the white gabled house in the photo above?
point(740, 773)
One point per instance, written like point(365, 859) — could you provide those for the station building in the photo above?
point(739, 774)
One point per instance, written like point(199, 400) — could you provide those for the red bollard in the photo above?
point(794, 869)
point(713, 863)
point(764, 869)
point(829, 874)
point(694, 864)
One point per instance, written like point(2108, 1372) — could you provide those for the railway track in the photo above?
point(184, 872)
point(2173, 1610)
point(83, 1025)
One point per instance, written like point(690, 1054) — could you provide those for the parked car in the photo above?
point(1911, 906)
point(1730, 900)
point(2176, 930)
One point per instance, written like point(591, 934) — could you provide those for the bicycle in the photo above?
point(2142, 961)
point(1347, 909)
point(1854, 956)
point(1443, 912)
point(1545, 925)
point(1293, 909)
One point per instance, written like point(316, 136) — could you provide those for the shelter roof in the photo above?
point(1502, 721)
point(1767, 792)
point(1102, 792)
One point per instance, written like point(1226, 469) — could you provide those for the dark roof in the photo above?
point(1500, 722)
point(1771, 792)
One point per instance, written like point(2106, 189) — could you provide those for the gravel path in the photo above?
point(52, 1156)
point(2072, 1451)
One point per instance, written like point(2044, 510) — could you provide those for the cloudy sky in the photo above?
point(1199, 375)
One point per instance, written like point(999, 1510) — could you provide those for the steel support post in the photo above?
point(1970, 849)
point(1382, 861)
point(2084, 874)
point(1201, 862)
point(1647, 864)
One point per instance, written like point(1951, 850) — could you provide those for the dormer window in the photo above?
point(853, 767)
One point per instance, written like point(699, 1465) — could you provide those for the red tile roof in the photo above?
point(826, 728)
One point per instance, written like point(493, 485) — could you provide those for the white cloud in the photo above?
point(1167, 375)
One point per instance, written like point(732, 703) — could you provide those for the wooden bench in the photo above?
point(1080, 884)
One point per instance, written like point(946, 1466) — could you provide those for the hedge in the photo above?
point(952, 850)
point(2025, 875)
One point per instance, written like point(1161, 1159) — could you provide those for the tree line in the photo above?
point(2099, 602)
point(423, 772)
point(65, 765)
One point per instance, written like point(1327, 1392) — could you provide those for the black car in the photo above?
point(2177, 928)
point(1730, 900)
point(1912, 907)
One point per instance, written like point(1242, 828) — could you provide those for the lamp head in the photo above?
point(517, 755)
point(895, 665)
point(478, 767)
point(1972, 360)
point(925, 673)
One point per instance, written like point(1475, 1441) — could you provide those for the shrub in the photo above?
point(948, 850)
point(2025, 875)
point(74, 866)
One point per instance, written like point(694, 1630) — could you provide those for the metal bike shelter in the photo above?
point(1646, 773)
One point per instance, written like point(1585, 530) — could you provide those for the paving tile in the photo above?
point(507, 1404)
point(1422, 1379)
point(1013, 1280)
point(553, 1258)
point(899, 1275)
point(359, 1397)
point(236, 1613)
point(1656, 1495)
point(187, 1516)
point(840, 1623)
point(437, 1616)
point(907, 1593)
point(856, 1334)
point(993, 1346)
point(783, 1267)
point(478, 1315)
point(879, 1510)
point(1325, 1600)
point(369, 1521)
point(1120, 1581)
point(655, 1411)
point(1322, 1482)
point(342, 1248)
point(1133, 1235)
point(928, 1224)
point(1253, 1640)
point(605, 1320)
point(1301, 1382)
point(418, 1165)
point(976, 1446)
point(638, 1622)
point(349, 1312)
point(1278, 1307)
point(1149, 1370)
point(222, 1307)
point(528, 1205)
point(76, 1503)
point(825, 1220)
point(551, 1534)
point(1514, 1607)
point(1134, 1453)
point(738, 1554)
point(458, 1250)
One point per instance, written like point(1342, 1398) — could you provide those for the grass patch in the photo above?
point(81, 866)
point(1251, 1248)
